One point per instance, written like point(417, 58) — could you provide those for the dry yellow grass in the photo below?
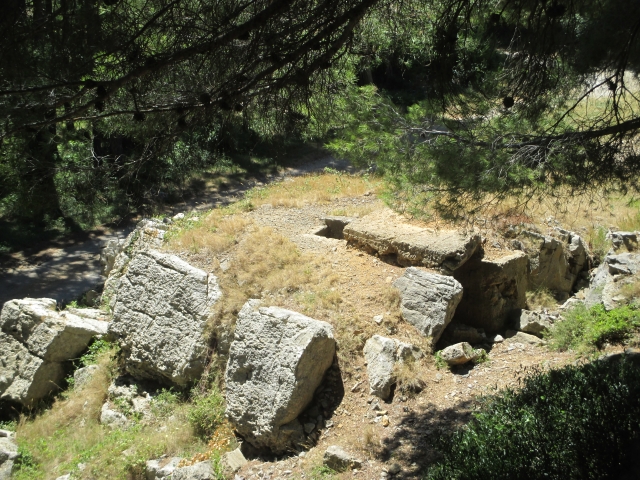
point(214, 233)
point(541, 298)
point(409, 376)
point(266, 263)
point(317, 188)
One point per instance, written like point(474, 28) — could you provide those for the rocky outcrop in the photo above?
point(382, 354)
point(624, 241)
point(534, 323)
point(457, 332)
point(35, 342)
point(160, 308)
point(608, 280)
point(386, 233)
point(428, 300)
point(493, 289)
point(334, 226)
point(117, 254)
point(556, 260)
point(459, 354)
point(338, 459)
point(276, 361)
point(8, 454)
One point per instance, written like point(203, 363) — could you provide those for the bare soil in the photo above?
point(352, 418)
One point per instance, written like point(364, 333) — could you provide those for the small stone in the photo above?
point(309, 427)
point(378, 319)
point(178, 216)
point(339, 460)
point(234, 460)
point(385, 421)
point(394, 469)
point(498, 339)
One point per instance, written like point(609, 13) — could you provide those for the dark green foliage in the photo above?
point(573, 423)
point(511, 99)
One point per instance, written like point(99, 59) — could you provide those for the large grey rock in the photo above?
point(459, 354)
point(112, 418)
point(276, 361)
point(339, 460)
point(556, 260)
point(607, 281)
point(160, 310)
point(117, 254)
point(382, 354)
point(8, 455)
point(513, 336)
point(428, 300)
point(534, 323)
point(387, 233)
point(493, 289)
point(35, 341)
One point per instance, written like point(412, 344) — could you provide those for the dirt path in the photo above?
point(64, 270)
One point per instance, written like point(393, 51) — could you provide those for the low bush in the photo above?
point(206, 412)
point(586, 329)
point(572, 423)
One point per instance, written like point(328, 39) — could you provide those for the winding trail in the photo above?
point(65, 270)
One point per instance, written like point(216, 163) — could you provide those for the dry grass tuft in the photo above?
point(410, 377)
point(541, 298)
point(631, 291)
point(370, 443)
point(317, 188)
point(214, 233)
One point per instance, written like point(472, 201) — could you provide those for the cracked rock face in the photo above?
point(493, 289)
point(386, 233)
point(35, 340)
point(382, 354)
point(160, 308)
point(276, 361)
point(428, 300)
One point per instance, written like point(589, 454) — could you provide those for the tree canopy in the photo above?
point(515, 96)
point(107, 100)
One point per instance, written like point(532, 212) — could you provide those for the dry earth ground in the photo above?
point(265, 247)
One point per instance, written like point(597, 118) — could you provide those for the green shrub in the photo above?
point(94, 351)
point(207, 411)
point(572, 423)
point(587, 329)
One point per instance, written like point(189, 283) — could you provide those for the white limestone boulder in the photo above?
point(276, 361)
point(382, 354)
point(428, 300)
point(35, 341)
point(160, 310)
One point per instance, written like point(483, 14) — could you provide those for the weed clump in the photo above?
point(576, 422)
point(587, 329)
